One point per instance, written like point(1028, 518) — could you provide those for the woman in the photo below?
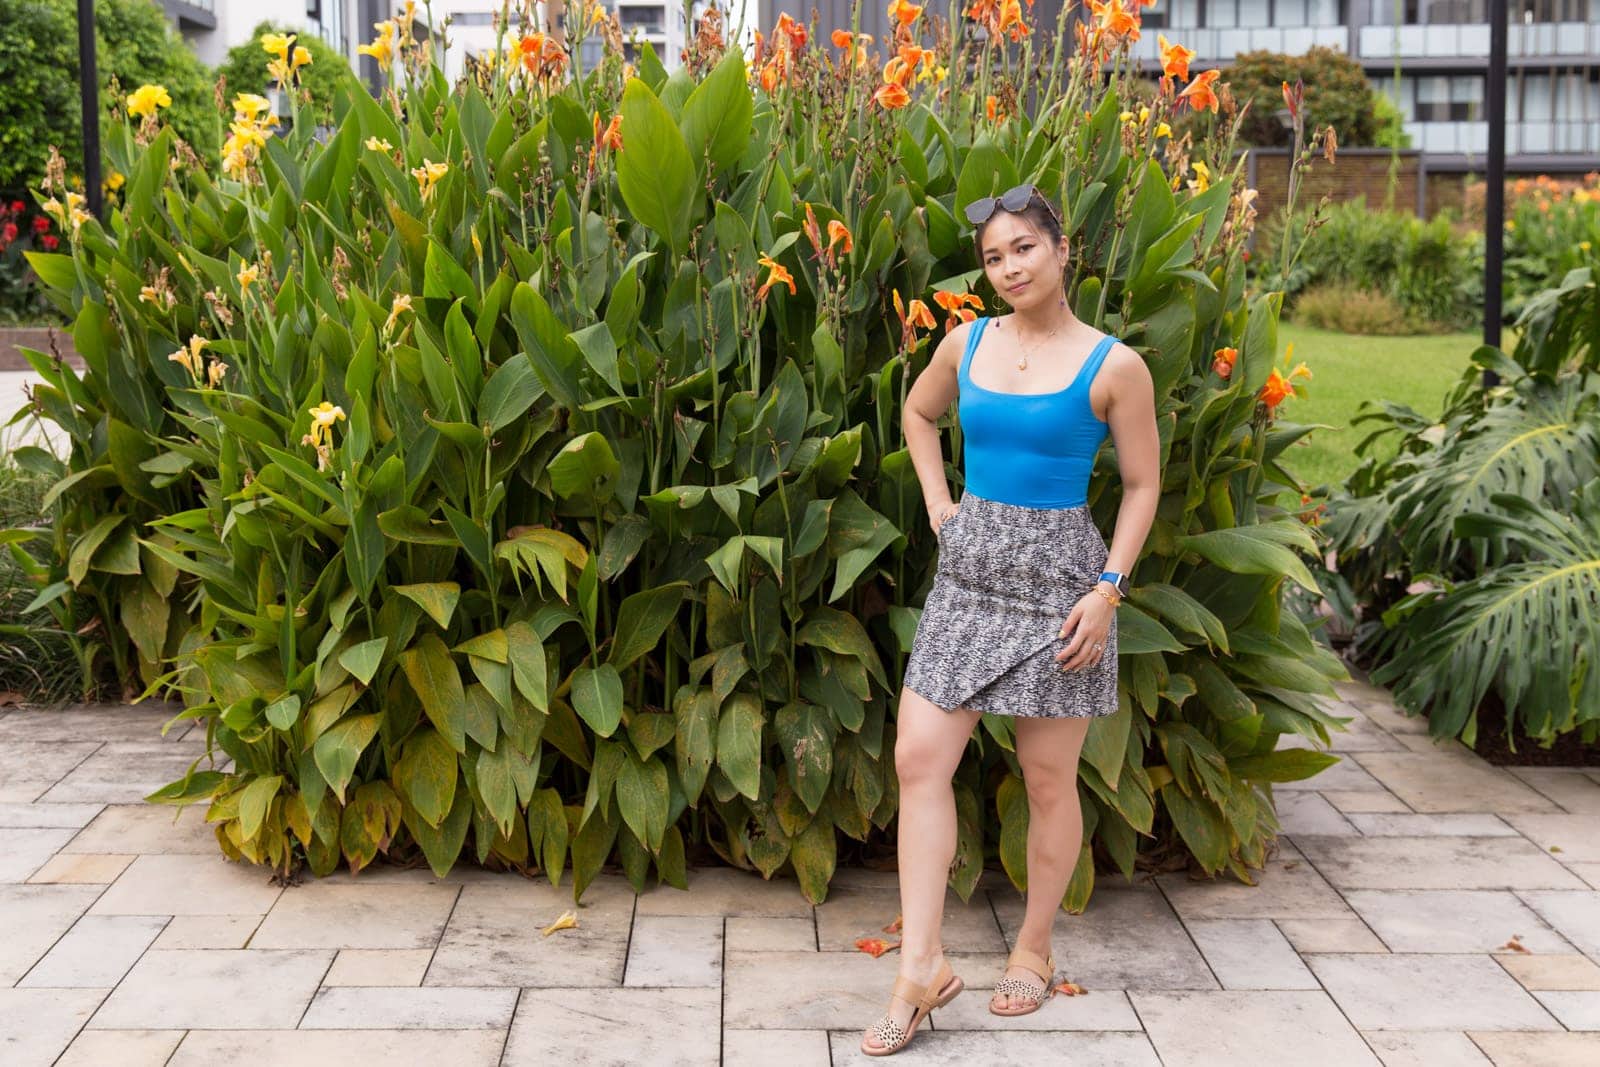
point(1021, 619)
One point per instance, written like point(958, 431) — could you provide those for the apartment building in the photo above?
point(212, 27)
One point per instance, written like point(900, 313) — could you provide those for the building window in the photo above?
point(1449, 98)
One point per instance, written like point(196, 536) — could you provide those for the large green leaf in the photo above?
point(716, 117)
point(739, 743)
point(654, 171)
point(597, 697)
point(425, 775)
point(641, 620)
point(1261, 549)
point(436, 680)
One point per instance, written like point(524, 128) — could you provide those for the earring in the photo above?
point(998, 307)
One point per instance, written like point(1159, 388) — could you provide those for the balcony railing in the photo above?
point(1522, 138)
point(1538, 40)
point(1219, 43)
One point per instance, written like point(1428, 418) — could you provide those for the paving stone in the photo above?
point(1569, 787)
point(1428, 992)
point(63, 869)
point(1260, 1027)
point(1539, 1050)
point(125, 772)
point(493, 937)
point(1250, 954)
point(727, 891)
point(96, 952)
point(345, 913)
point(1576, 916)
point(1577, 1009)
point(871, 878)
point(1435, 863)
point(25, 850)
point(214, 989)
point(1127, 938)
point(1377, 705)
point(1309, 813)
point(76, 723)
point(1360, 734)
point(411, 1008)
point(379, 967)
point(1364, 800)
point(1425, 1048)
point(36, 1025)
point(849, 914)
point(622, 1027)
point(29, 769)
point(1289, 888)
point(75, 816)
point(1589, 872)
point(148, 829)
point(1454, 824)
point(745, 934)
point(1577, 836)
point(965, 1048)
point(1453, 920)
point(1347, 774)
point(208, 931)
point(298, 1048)
point(1330, 935)
point(189, 885)
point(1096, 1010)
point(1423, 743)
point(125, 1048)
point(792, 1048)
point(1439, 783)
point(32, 917)
point(1574, 972)
point(843, 990)
point(675, 950)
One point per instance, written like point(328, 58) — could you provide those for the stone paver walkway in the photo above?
point(1377, 935)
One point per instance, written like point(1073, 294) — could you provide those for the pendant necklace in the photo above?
point(1022, 361)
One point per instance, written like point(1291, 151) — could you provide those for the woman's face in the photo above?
point(1022, 266)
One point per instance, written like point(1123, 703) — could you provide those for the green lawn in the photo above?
point(1348, 369)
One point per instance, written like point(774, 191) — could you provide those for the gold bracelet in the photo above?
point(1113, 598)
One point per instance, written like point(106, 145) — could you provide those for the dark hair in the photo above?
point(1040, 210)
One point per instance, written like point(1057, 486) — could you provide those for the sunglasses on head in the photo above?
point(1013, 200)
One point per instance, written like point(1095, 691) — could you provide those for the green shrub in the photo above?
point(1552, 228)
point(1495, 511)
point(1432, 272)
point(1337, 95)
point(1347, 309)
point(508, 503)
point(38, 88)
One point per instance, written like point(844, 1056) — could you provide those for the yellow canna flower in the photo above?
point(247, 276)
point(147, 98)
point(250, 106)
point(1163, 130)
point(215, 372)
point(275, 44)
point(115, 180)
point(378, 144)
point(1202, 179)
point(568, 921)
point(402, 303)
point(428, 176)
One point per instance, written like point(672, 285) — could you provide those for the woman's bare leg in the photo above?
point(1048, 750)
point(928, 745)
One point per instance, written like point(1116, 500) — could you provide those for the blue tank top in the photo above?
point(1032, 450)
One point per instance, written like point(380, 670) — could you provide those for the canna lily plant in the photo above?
point(551, 506)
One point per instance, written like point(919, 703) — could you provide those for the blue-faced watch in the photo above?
point(1116, 579)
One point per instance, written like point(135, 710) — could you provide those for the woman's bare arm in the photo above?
point(931, 395)
point(1131, 413)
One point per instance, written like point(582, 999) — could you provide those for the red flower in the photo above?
point(49, 241)
point(41, 223)
point(18, 206)
point(8, 233)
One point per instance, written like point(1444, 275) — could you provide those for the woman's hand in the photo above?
point(1089, 623)
point(938, 515)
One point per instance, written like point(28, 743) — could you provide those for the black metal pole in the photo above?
point(1494, 200)
point(89, 87)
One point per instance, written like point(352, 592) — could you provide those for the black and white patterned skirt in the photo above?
point(987, 640)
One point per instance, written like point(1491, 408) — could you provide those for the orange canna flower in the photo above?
point(1223, 360)
point(794, 31)
point(777, 275)
point(918, 315)
point(769, 77)
point(1174, 59)
point(1279, 388)
point(876, 946)
point(611, 136)
point(1199, 92)
point(903, 12)
point(841, 39)
point(1116, 20)
point(1011, 20)
point(839, 234)
point(813, 232)
point(891, 96)
point(991, 107)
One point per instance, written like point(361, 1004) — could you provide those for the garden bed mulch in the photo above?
point(1492, 744)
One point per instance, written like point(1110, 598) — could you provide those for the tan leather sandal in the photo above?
point(1009, 986)
point(892, 1037)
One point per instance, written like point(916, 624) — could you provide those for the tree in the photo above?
point(1337, 95)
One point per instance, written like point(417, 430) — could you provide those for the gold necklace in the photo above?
point(1022, 363)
